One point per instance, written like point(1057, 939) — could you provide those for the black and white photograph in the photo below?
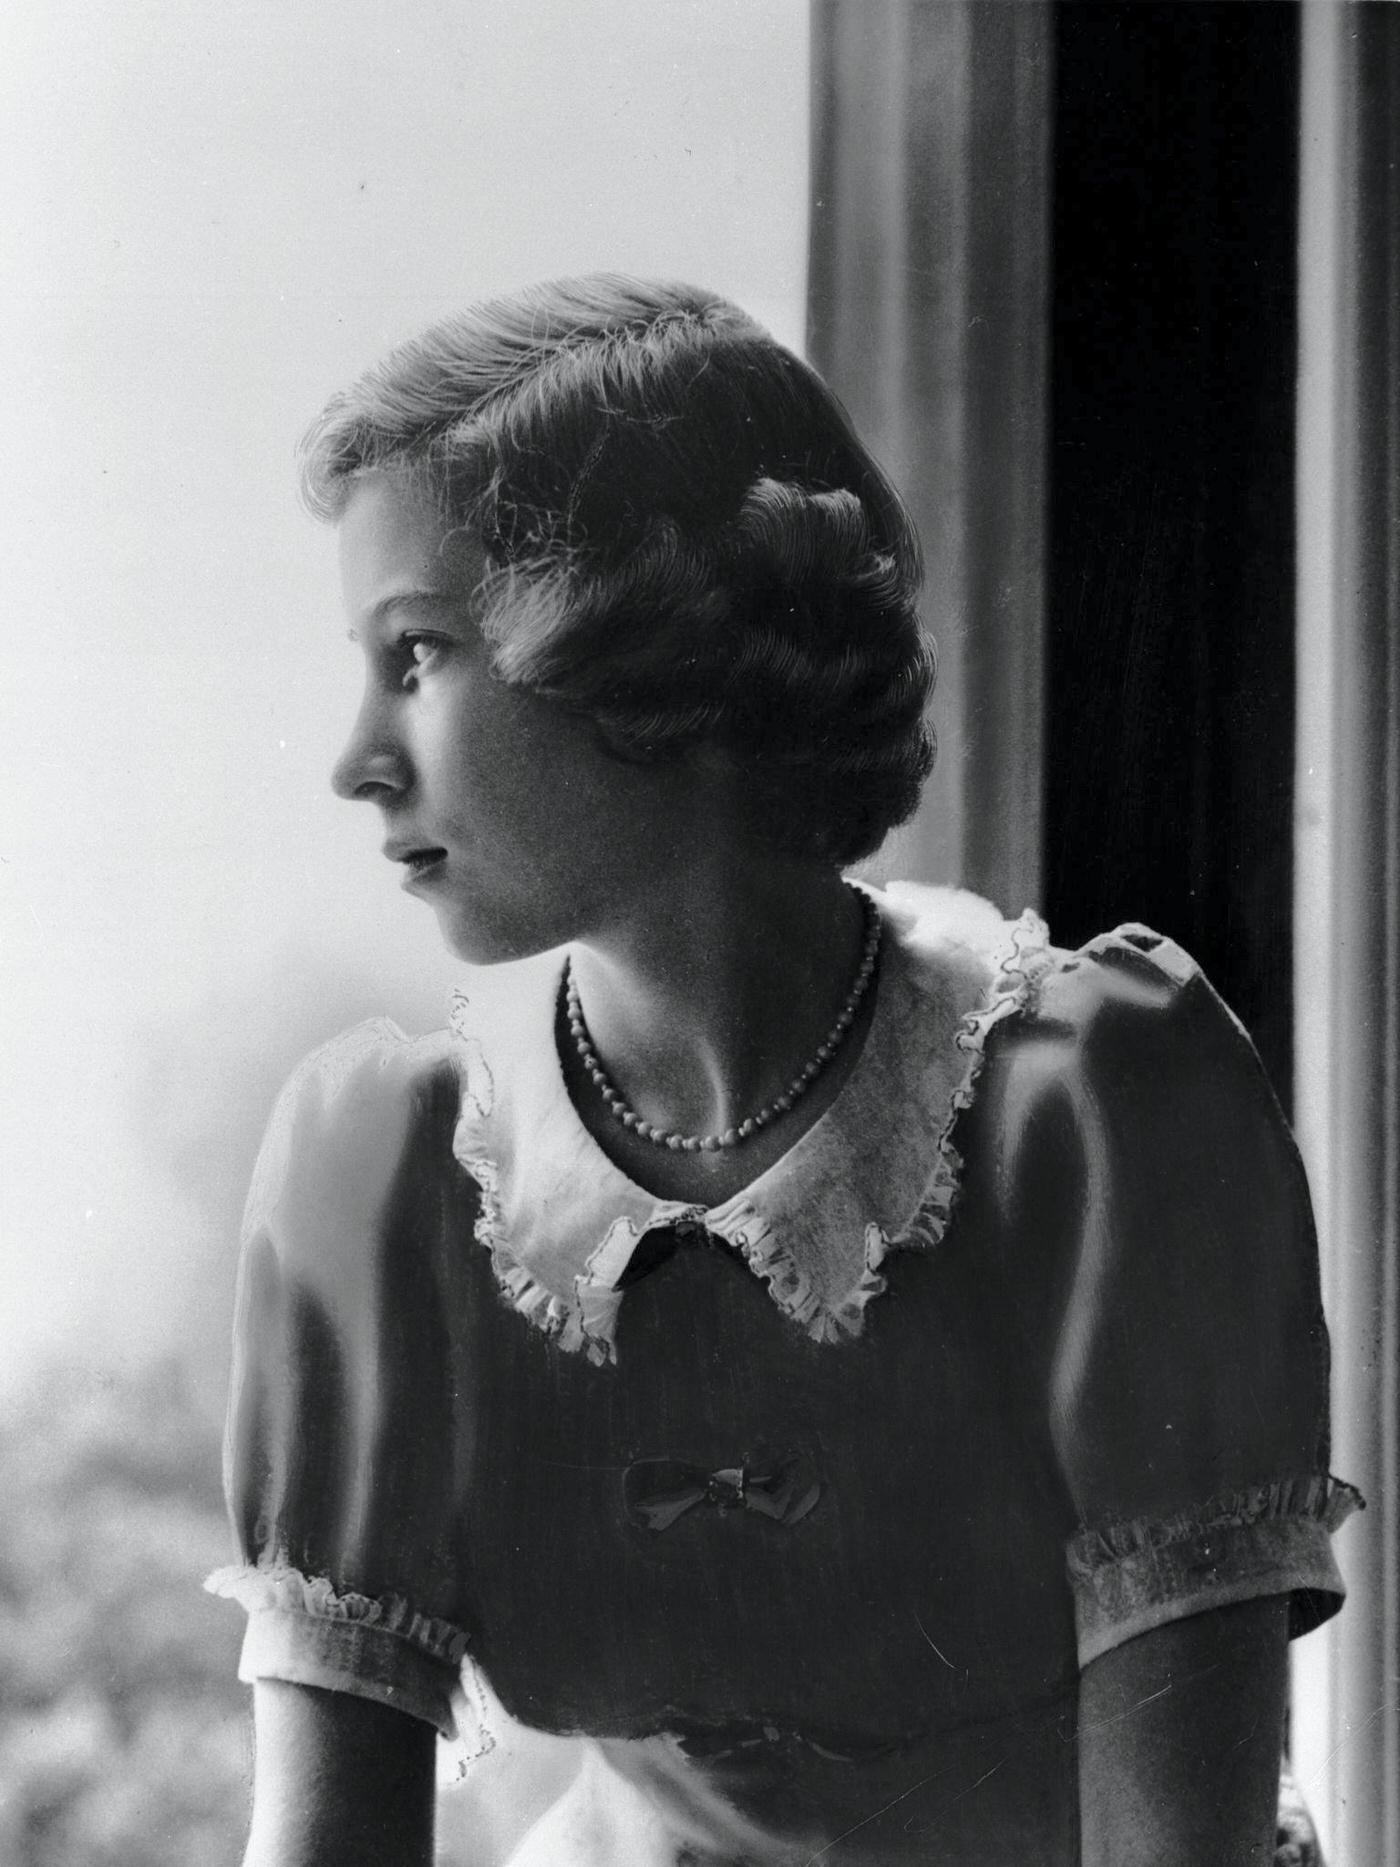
point(700, 926)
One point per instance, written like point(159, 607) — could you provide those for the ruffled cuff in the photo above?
point(306, 1631)
point(1272, 1540)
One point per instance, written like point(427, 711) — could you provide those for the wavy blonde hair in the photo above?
point(684, 539)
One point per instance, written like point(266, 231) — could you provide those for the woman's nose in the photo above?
point(373, 762)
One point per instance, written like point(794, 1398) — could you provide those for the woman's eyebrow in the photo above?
point(411, 598)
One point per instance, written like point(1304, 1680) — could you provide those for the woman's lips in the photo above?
point(421, 864)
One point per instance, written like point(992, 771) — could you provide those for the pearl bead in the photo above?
point(712, 1143)
point(691, 1144)
point(732, 1136)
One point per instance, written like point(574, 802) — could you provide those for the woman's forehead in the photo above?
point(395, 543)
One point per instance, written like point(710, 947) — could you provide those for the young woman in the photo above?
point(850, 1370)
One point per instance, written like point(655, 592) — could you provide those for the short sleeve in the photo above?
point(1187, 1388)
point(346, 1434)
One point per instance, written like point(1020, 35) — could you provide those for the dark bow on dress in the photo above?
point(658, 1491)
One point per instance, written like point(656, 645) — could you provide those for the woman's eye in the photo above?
point(421, 650)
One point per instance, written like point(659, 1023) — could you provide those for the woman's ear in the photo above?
point(634, 746)
point(682, 775)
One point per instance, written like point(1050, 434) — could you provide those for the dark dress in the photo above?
point(808, 1508)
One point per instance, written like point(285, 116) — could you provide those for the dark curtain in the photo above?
point(1169, 650)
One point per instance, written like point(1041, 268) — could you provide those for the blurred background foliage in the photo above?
point(124, 1738)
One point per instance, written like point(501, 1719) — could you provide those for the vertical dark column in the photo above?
point(1170, 628)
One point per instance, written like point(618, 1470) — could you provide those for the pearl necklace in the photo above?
point(744, 1130)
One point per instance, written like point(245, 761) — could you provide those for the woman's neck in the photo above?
point(703, 1010)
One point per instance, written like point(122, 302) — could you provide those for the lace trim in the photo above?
point(1022, 960)
point(1314, 1498)
point(277, 1585)
point(471, 1710)
point(789, 1285)
point(534, 1300)
point(588, 1321)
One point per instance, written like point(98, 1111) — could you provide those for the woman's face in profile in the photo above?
point(503, 809)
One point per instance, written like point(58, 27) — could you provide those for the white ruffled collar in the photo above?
point(877, 1170)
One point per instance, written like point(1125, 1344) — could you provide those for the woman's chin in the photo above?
point(483, 939)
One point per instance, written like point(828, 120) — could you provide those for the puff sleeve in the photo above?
point(347, 1436)
point(1186, 1381)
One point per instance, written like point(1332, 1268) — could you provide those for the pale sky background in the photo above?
point(213, 217)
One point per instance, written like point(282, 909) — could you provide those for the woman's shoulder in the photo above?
point(1130, 972)
point(1130, 978)
point(1132, 1009)
point(364, 1059)
point(1127, 1020)
point(1125, 1094)
point(344, 1123)
point(347, 1088)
